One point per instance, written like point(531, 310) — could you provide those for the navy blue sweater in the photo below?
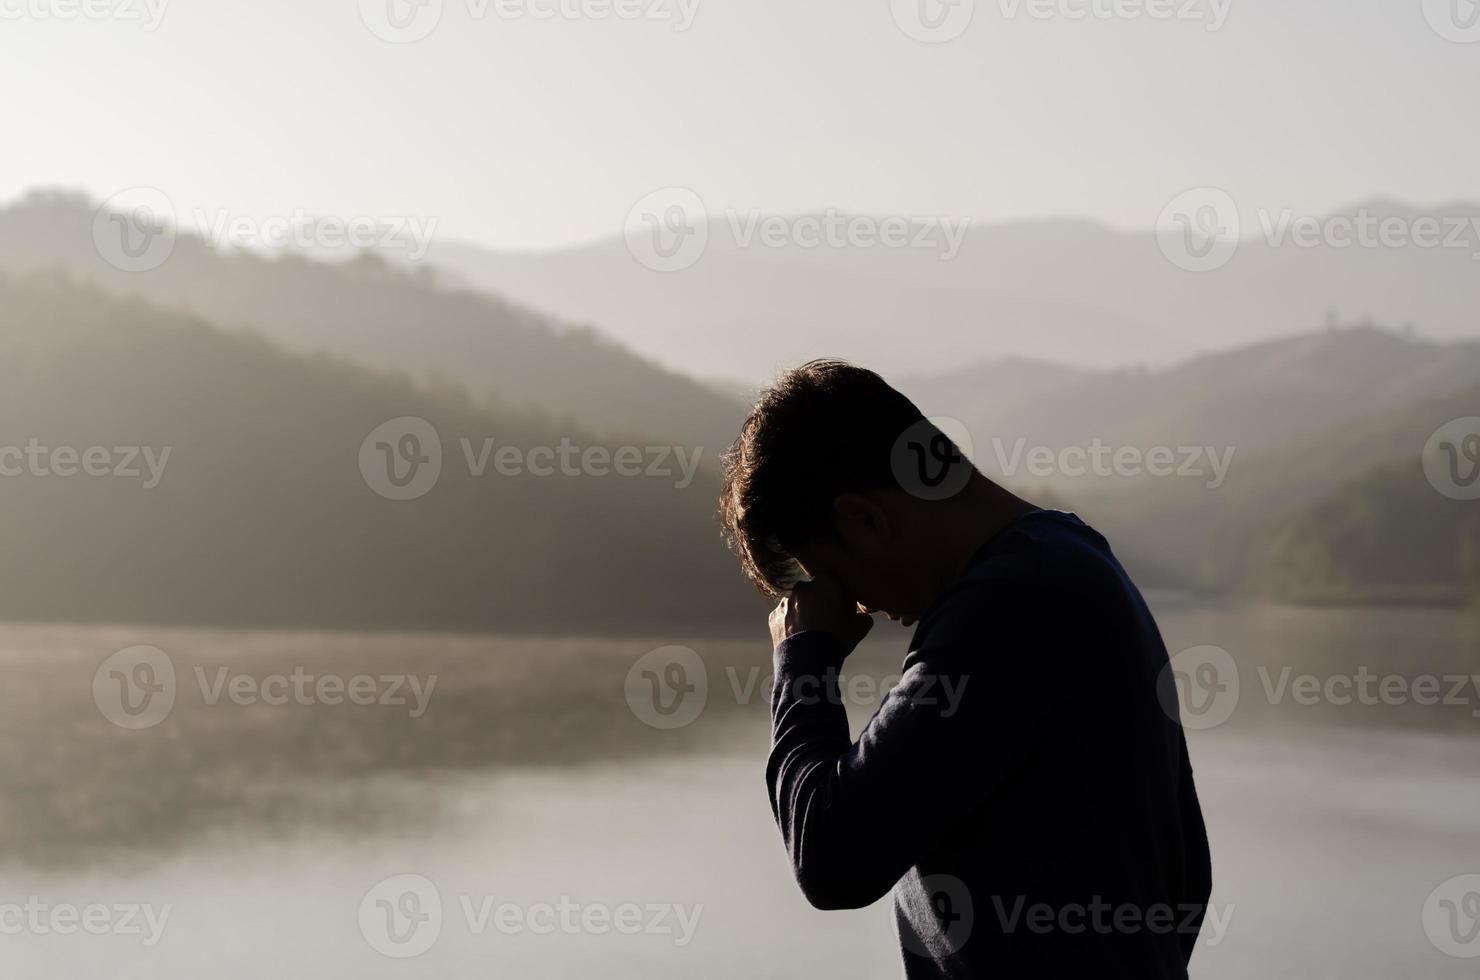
point(1021, 790)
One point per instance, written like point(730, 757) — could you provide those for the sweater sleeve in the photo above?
point(856, 816)
point(1199, 869)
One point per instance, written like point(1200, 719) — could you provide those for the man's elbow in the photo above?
point(1201, 878)
point(832, 892)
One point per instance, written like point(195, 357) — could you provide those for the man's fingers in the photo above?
point(820, 584)
point(821, 588)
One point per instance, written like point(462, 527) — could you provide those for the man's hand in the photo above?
point(820, 606)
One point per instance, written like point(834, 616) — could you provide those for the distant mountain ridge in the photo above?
point(1385, 536)
point(747, 315)
point(387, 317)
point(262, 516)
point(1060, 290)
point(1342, 513)
point(1314, 428)
point(1250, 397)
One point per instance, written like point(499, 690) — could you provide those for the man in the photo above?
point(1022, 790)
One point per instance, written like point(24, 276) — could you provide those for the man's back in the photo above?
point(1023, 784)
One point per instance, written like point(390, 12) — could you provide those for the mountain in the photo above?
point(1065, 291)
point(388, 317)
point(1278, 490)
point(983, 391)
point(751, 313)
point(1248, 398)
point(1293, 421)
point(1283, 505)
point(1386, 536)
point(261, 514)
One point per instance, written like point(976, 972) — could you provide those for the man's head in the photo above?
point(823, 481)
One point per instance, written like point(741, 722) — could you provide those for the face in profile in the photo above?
point(869, 553)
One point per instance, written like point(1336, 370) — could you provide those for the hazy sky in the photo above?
point(529, 133)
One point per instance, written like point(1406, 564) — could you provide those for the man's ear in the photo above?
point(859, 521)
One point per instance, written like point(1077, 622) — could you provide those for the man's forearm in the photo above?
point(809, 737)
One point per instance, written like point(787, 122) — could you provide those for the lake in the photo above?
point(511, 806)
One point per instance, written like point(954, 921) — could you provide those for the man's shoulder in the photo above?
point(1043, 548)
point(1045, 560)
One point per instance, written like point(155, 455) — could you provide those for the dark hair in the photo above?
point(823, 429)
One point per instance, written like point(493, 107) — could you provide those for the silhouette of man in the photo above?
point(1022, 789)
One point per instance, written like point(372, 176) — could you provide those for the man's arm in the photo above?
point(1199, 868)
point(856, 817)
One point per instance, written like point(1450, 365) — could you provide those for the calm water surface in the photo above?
point(1332, 825)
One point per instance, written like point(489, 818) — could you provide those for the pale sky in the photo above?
point(537, 133)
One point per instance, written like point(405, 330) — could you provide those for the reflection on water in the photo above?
point(1326, 851)
point(528, 783)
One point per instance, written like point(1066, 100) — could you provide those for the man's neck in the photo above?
point(975, 516)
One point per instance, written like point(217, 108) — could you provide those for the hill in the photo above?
point(750, 313)
point(1250, 397)
point(1294, 420)
point(388, 317)
point(1281, 506)
point(260, 514)
point(1386, 536)
point(1067, 291)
